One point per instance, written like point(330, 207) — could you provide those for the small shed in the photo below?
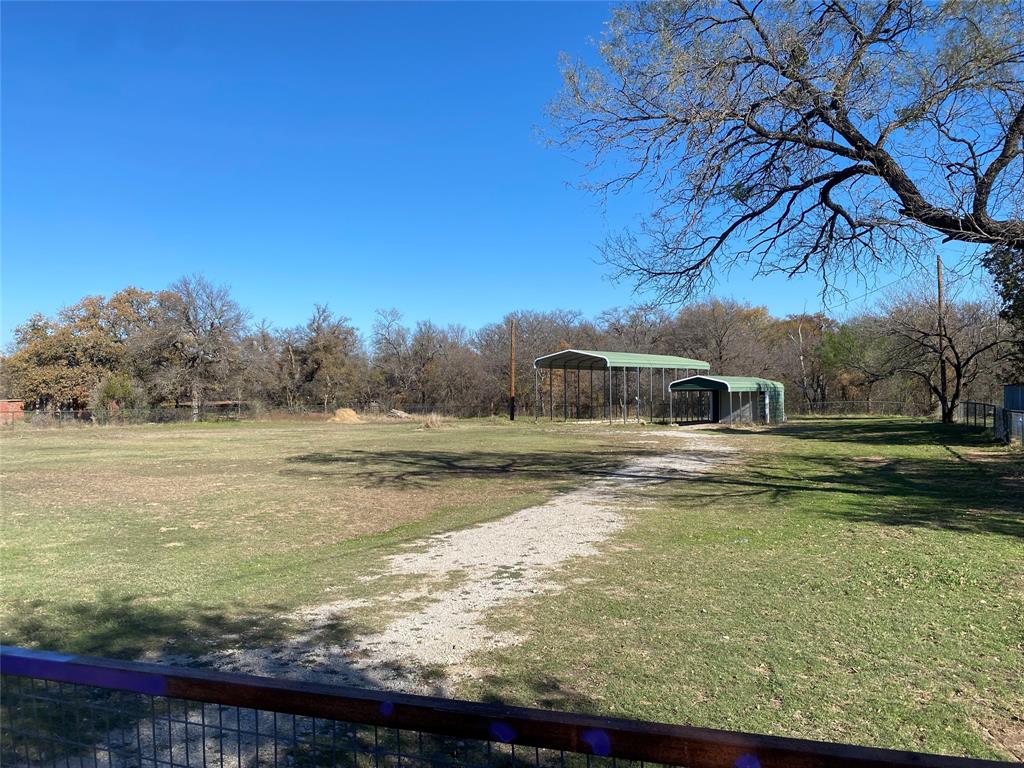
point(736, 398)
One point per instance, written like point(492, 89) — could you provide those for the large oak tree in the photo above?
point(826, 135)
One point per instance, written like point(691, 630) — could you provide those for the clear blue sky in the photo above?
point(361, 155)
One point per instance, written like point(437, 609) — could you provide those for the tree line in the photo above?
point(192, 344)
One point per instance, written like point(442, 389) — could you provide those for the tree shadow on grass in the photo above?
point(421, 469)
point(58, 723)
point(125, 626)
point(964, 496)
point(545, 691)
point(869, 430)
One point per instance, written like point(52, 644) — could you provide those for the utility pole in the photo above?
point(942, 337)
point(512, 367)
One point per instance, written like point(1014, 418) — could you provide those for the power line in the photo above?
point(955, 269)
point(830, 307)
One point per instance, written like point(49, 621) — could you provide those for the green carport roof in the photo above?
point(589, 359)
point(724, 384)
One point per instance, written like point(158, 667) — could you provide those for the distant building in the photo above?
point(11, 411)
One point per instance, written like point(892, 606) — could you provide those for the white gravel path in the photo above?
point(497, 562)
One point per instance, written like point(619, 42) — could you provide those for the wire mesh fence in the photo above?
point(1007, 425)
point(977, 414)
point(240, 411)
point(75, 711)
point(51, 723)
point(856, 408)
point(695, 408)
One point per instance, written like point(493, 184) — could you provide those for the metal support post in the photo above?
point(577, 394)
point(608, 390)
point(565, 397)
point(590, 397)
point(639, 395)
point(625, 394)
point(536, 391)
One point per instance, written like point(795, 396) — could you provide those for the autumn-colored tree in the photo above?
point(58, 363)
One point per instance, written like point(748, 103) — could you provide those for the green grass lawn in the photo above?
point(857, 580)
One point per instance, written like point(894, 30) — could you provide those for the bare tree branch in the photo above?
point(832, 135)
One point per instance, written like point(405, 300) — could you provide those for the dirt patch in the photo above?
point(1006, 732)
point(513, 558)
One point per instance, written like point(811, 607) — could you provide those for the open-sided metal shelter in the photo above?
point(737, 398)
point(612, 365)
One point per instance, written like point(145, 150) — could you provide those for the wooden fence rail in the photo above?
point(596, 739)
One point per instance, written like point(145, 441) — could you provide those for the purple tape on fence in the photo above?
point(62, 668)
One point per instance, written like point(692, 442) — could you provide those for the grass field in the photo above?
point(117, 541)
point(857, 580)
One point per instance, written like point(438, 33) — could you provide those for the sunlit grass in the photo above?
point(850, 580)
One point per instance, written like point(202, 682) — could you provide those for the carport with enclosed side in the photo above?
point(727, 399)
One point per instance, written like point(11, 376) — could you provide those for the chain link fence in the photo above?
point(977, 414)
point(1007, 425)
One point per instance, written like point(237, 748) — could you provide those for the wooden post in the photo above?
point(650, 392)
point(512, 365)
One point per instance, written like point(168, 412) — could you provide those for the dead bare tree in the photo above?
point(733, 337)
point(969, 333)
point(634, 328)
point(825, 135)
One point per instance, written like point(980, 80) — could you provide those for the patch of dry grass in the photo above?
point(236, 521)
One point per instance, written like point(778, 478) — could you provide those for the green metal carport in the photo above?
point(738, 398)
point(626, 364)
